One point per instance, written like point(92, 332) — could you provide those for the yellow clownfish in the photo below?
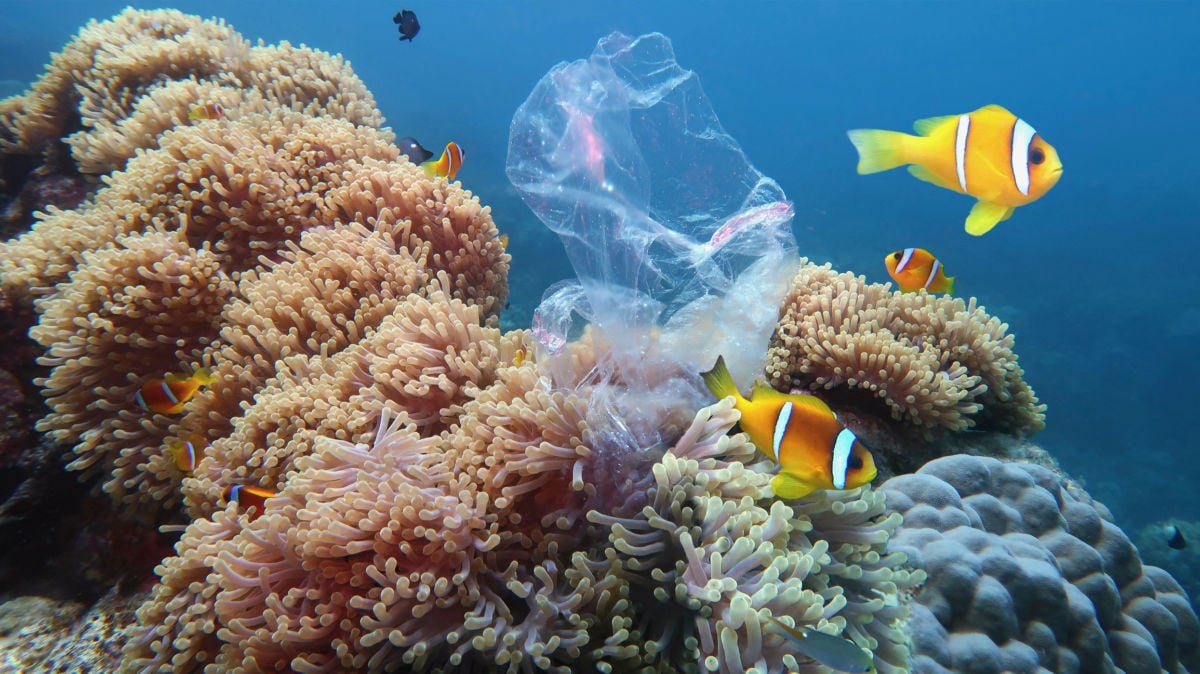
point(990, 154)
point(206, 111)
point(448, 164)
point(167, 396)
point(814, 450)
point(917, 268)
point(184, 454)
point(249, 496)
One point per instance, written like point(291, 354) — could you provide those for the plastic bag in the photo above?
point(682, 249)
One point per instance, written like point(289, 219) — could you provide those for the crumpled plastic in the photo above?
point(681, 248)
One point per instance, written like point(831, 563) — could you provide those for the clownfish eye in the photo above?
point(1036, 156)
point(897, 255)
point(855, 463)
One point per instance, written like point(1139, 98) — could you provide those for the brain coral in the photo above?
point(1026, 573)
point(936, 362)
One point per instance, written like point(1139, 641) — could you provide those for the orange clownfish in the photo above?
point(167, 396)
point(917, 268)
point(448, 164)
point(990, 154)
point(206, 111)
point(183, 453)
point(249, 496)
point(814, 450)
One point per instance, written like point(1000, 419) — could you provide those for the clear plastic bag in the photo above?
point(682, 249)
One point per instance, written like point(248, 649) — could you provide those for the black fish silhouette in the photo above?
point(408, 24)
point(413, 150)
point(1176, 541)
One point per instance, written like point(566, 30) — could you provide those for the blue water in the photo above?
point(1097, 280)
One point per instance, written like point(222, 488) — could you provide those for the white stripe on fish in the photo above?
point(1022, 137)
point(781, 422)
point(960, 149)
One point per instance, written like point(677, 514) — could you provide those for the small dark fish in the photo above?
point(412, 149)
point(1176, 540)
point(409, 26)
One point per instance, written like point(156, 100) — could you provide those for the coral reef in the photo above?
point(120, 83)
point(468, 549)
point(163, 299)
point(712, 539)
point(938, 363)
point(289, 226)
point(1027, 573)
point(443, 499)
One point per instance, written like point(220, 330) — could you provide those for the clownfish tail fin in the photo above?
point(950, 284)
point(719, 381)
point(879, 150)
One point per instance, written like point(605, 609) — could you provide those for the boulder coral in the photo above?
point(1026, 573)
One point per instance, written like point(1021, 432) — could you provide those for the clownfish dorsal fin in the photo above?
point(995, 109)
point(762, 390)
point(924, 127)
point(765, 392)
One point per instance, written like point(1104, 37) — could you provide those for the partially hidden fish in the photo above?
point(412, 148)
point(169, 394)
point(183, 453)
point(1175, 539)
point(248, 496)
point(836, 653)
point(206, 111)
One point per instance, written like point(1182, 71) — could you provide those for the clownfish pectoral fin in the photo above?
point(924, 127)
point(879, 150)
point(921, 173)
point(786, 485)
point(986, 215)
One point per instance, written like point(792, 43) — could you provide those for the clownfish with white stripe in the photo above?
point(914, 269)
point(448, 164)
point(184, 454)
point(168, 395)
point(249, 496)
point(990, 154)
point(813, 449)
